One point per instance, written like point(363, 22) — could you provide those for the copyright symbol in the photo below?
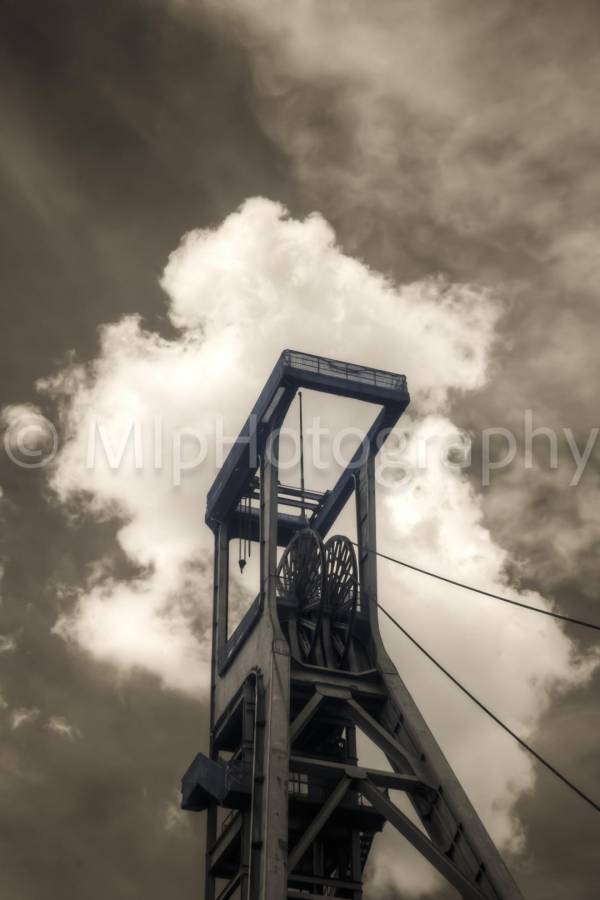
point(30, 439)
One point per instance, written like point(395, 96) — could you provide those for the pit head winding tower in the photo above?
point(291, 813)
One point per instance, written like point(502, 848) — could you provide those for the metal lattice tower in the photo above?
point(290, 810)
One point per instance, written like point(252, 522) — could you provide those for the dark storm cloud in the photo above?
point(562, 857)
point(86, 809)
point(463, 138)
point(95, 815)
point(456, 137)
point(122, 127)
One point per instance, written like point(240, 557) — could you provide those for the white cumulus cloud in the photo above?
point(23, 716)
point(239, 294)
point(7, 643)
point(60, 726)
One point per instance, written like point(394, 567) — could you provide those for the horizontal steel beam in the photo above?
point(300, 894)
point(283, 489)
point(325, 882)
point(390, 780)
point(363, 684)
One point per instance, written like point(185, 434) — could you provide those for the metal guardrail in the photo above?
point(322, 365)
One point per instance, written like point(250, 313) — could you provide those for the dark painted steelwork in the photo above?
point(305, 670)
point(293, 371)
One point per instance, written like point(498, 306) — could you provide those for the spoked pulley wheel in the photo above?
point(341, 595)
point(301, 590)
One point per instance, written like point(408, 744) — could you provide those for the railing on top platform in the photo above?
point(321, 365)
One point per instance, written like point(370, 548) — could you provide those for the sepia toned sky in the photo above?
point(189, 187)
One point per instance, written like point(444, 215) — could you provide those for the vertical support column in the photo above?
point(254, 818)
point(274, 819)
point(251, 747)
point(473, 852)
point(366, 534)
point(355, 860)
point(211, 837)
point(268, 519)
point(219, 636)
point(222, 585)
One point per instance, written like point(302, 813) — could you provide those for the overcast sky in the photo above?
point(187, 188)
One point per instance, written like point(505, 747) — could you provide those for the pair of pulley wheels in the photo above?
point(318, 584)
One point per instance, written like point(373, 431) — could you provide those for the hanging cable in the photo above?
point(468, 587)
point(488, 712)
point(243, 532)
point(241, 560)
point(249, 510)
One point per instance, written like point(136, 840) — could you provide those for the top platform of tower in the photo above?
point(295, 370)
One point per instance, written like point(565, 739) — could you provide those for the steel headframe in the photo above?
point(290, 810)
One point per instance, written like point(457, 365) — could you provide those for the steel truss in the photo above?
point(292, 813)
